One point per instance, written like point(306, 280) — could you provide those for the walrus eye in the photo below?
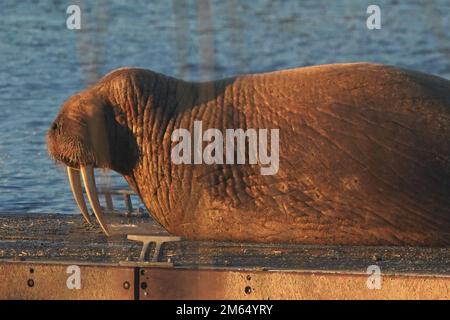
point(54, 126)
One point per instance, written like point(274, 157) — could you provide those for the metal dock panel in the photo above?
point(26, 280)
point(229, 284)
point(20, 280)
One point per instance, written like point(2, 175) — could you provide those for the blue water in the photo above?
point(42, 62)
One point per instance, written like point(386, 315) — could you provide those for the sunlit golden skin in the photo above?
point(364, 153)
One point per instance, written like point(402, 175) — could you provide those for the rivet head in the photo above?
point(144, 285)
point(126, 285)
point(30, 283)
point(248, 290)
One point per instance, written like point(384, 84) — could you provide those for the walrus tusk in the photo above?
point(89, 184)
point(75, 185)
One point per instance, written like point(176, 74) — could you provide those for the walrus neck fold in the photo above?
point(145, 107)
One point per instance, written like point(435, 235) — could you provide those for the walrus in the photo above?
point(363, 153)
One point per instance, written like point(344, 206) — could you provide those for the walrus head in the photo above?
point(86, 134)
point(78, 136)
point(78, 139)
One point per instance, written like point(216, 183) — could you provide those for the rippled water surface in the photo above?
point(42, 63)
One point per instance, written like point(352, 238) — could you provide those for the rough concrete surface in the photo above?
point(57, 237)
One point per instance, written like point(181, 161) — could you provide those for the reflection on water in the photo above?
point(42, 63)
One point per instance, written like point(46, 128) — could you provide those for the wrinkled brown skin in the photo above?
point(364, 153)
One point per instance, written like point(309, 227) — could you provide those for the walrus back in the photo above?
point(364, 155)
